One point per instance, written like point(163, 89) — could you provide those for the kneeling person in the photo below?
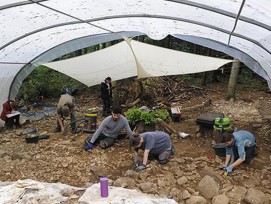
point(109, 130)
point(240, 147)
point(156, 144)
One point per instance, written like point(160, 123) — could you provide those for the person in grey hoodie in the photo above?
point(109, 130)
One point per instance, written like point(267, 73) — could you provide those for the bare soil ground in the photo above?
point(63, 159)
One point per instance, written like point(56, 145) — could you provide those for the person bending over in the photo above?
point(156, 144)
point(65, 108)
point(240, 147)
point(109, 130)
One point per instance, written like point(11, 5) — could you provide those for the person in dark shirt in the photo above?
point(106, 95)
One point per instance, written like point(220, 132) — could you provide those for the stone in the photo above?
point(236, 193)
point(124, 182)
point(254, 196)
point(164, 192)
point(3, 153)
point(191, 190)
point(74, 196)
point(176, 193)
point(266, 183)
point(65, 163)
point(98, 171)
point(251, 182)
point(179, 160)
point(170, 178)
point(161, 184)
point(178, 173)
point(146, 187)
point(181, 181)
point(132, 174)
point(257, 125)
point(196, 200)
point(210, 172)
point(18, 133)
point(220, 199)
point(186, 194)
point(208, 187)
point(192, 177)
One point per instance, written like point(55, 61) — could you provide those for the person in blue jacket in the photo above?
point(240, 147)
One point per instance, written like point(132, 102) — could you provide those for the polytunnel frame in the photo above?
point(84, 42)
point(197, 5)
point(29, 67)
point(233, 52)
point(60, 50)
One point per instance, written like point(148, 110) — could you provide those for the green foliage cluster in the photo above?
point(248, 80)
point(134, 115)
point(162, 114)
point(148, 117)
point(45, 82)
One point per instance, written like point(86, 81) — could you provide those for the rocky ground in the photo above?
point(192, 176)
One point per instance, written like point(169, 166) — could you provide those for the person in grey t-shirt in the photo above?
point(156, 144)
point(109, 130)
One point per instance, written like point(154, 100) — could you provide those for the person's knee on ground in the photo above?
point(251, 152)
point(163, 158)
point(107, 142)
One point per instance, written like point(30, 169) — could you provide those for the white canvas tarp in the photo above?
point(132, 58)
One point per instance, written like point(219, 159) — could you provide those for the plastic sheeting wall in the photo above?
point(30, 29)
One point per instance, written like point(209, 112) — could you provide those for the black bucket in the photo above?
point(220, 149)
point(32, 139)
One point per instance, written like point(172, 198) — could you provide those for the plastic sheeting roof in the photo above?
point(34, 32)
point(131, 58)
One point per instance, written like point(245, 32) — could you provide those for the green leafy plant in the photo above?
point(162, 114)
point(148, 117)
point(134, 115)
